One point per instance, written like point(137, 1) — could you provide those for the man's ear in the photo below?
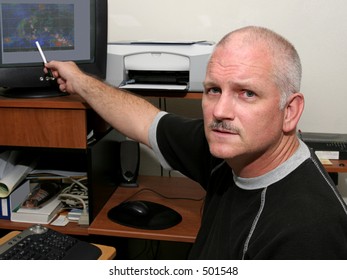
point(293, 111)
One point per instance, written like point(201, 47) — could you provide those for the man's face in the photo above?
point(241, 95)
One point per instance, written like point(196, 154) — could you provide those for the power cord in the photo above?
point(76, 196)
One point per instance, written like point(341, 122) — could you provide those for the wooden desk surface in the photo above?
point(107, 252)
point(338, 166)
point(173, 187)
point(70, 228)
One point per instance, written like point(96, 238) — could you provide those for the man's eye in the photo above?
point(249, 93)
point(214, 90)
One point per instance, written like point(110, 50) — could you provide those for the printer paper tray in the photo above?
point(155, 87)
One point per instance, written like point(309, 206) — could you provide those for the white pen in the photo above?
point(41, 52)
point(44, 59)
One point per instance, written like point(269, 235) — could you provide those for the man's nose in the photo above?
point(225, 107)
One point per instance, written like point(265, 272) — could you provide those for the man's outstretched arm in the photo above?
point(129, 114)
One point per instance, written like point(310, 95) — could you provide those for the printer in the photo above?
point(165, 67)
point(326, 145)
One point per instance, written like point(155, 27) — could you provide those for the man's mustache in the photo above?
point(224, 125)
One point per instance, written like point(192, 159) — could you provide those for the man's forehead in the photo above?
point(231, 58)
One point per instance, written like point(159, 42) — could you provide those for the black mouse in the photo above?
point(135, 207)
point(144, 214)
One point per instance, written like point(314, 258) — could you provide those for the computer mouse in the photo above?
point(135, 207)
point(144, 214)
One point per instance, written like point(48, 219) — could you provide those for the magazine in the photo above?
point(14, 167)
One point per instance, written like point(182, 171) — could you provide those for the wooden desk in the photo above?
point(46, 122)
point(174, 187)
point(70, 228)
point(107, 252)
point(337, 166)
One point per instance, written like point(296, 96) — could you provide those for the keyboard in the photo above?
point(41, 243)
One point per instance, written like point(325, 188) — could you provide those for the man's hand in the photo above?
point(67, 75)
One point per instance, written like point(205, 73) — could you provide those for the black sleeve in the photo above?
point(183, 144)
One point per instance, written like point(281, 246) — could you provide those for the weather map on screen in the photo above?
point(50, 24)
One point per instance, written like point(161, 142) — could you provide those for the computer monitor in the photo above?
point(66, 30)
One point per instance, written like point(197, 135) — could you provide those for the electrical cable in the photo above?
point(76, 196)
point(164, 196)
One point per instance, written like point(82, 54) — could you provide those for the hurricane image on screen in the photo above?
point(50, 24)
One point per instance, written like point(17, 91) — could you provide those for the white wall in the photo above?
point(318, 29)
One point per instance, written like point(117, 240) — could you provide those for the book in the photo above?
point(14, 167)
point(43, 215)
point(14, 200)
point(54, 174)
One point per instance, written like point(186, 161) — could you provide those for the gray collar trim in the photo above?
point(302, 154)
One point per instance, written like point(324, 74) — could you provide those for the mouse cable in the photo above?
point(165, 196)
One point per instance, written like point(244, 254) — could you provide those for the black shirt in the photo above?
point(294, 212)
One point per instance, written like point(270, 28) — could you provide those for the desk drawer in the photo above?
point(40, 127)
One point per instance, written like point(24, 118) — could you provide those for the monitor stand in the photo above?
point(41, 92)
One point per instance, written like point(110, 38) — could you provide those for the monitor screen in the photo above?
point(65, 29)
